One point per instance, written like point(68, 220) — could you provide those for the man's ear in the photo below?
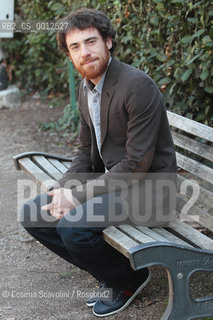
point(69, 56)
point(109, 43)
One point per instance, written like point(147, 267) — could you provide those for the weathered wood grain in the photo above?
point(36, 174)
point(190, 126)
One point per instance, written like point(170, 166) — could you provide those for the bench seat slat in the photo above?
point(170, 237)
point(135, 234)
point(162, 235)
point(57, 164)
point(193, 235)
point(194, 167)
point(190, 126)
point(47, 167)
point(36, 173)
point(149, 232)
point(119, 240)
point(193, 146)
point(124, 237)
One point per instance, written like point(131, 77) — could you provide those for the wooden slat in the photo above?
point(36, 173)
point(118, 240)
point(67, 164)
point(193, 213)
point(170, 237)
point(195, 167)
point(149, 232)
point(204, 220)
point(57, 164)
point(190, 126)
point(193, 146)
point(160, 234)
point(205, 195)
point(47, 167)
point(124, 237)
point(135, 234)
point(193, 235)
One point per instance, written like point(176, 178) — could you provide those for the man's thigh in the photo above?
point(97, 213)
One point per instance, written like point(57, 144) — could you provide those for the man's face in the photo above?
point(88, 52)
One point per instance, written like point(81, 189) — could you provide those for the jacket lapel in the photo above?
point(108, 90)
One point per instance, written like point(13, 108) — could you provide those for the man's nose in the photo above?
point(85, 51)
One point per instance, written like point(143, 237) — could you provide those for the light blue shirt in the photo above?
point(94, 105)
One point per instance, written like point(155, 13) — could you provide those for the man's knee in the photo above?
point(26, 214)
point(77, 238)
point(31, 214)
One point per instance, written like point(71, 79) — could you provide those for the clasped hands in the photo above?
point(62, 202)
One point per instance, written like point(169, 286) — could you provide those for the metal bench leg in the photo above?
point(180, 262)
point(181, 305)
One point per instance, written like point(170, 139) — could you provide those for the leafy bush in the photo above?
point(34, 56)
point(170, 40)
point(173, 42)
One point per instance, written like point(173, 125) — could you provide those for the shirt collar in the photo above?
point(89, 85)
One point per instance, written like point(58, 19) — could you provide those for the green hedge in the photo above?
point(34, 57)
point(170, 40)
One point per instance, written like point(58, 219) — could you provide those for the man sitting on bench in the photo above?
point(123, 130)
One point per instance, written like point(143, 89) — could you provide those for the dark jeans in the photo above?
point(82, 246)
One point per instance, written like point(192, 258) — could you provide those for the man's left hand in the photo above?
point(62, 202)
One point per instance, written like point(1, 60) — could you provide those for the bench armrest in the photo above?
point(19, 156)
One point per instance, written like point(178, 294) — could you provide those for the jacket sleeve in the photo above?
point(145, 107)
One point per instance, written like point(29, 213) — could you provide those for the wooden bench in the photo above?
point(181, 248)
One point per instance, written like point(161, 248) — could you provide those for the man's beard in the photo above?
point(94, 71)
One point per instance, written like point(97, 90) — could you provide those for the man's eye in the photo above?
point(92, 41)
point(75, 48)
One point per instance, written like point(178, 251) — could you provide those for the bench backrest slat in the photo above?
point(193, 146)
point(184, 230)
point(196, 168)
point(190, 126)
point(194, 213)
point(193, 190)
